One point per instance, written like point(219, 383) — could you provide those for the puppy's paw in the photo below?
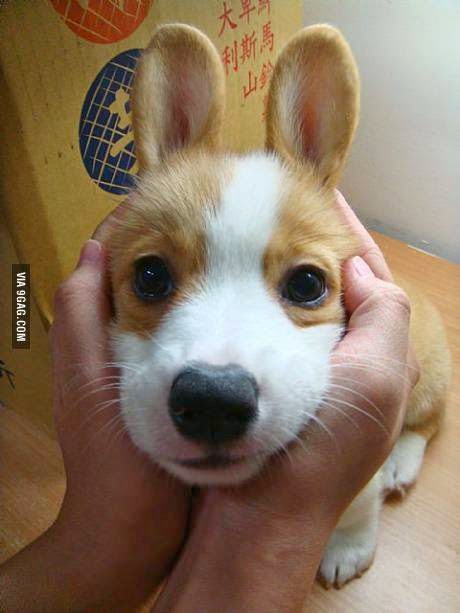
point(401, 469)
point(347, 555)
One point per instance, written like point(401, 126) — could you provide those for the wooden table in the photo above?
point(416, 568)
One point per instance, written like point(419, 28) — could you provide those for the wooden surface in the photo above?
point(416, 567)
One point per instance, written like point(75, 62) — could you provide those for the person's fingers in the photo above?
point(381, 309)
point(379, 314)
point(82, 305)
point(79, 337)
point(376, 344)
point(369, 250)
point(371, 254)
point(361, 284)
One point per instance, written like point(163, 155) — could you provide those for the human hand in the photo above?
point(266, 537)
point(123, 512)
point(122, 520)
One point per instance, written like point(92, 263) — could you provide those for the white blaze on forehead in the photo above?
point(232, 313)
point(239, 230)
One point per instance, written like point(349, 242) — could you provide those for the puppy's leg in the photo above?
point(427, 401)
point(423, 419)
point(351, 548)
point(402, 467)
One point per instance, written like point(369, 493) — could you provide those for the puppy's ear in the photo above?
point(178, 95)
point(313, 102)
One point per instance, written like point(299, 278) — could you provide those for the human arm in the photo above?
point(122, 520)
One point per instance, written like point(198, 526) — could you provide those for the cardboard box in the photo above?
point(67, 66)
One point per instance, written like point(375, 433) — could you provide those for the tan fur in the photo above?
point(182, 69)
point(427, 401)
point(313, 103)
point(165, 218)
point(309, 231)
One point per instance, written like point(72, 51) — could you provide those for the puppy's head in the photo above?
point(226, 269)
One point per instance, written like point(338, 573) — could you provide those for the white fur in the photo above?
point(351, 547)
point(401, 469)
point(232, 318)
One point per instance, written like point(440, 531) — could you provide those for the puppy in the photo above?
point(226, 274)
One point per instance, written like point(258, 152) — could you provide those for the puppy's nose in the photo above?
point(213, 404)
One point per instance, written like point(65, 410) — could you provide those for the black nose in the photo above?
point(213, 404)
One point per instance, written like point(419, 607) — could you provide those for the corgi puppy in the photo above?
point(226, 275)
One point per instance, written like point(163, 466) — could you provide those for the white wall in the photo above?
point(403, 177)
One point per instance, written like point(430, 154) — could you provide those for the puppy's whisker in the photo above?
point(155, 341)
point(327, 405)
point(89, 383)
point(99, 390)
point(118, 430)
point(117, 420)
point(100, 408)
point(356, 393)
point(298, 440)
point(380, 357)
point(282, 449)
point(369, 367)
point(95, 435)
point(381, 425)
point(99, 365)
point(336, 377)
point(124, 366)
point(96, 366)
point(82, 374)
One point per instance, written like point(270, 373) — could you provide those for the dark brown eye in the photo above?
point(152, 280)
point(305, 286)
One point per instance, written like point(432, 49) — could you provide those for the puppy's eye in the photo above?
point(152, 280)
point(305, 286)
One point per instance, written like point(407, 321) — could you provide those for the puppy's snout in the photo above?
point(213, 404)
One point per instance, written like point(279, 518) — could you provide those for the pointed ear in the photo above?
point(178, 94)
point(313, 102)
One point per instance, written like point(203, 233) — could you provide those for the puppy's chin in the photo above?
point(231, 474)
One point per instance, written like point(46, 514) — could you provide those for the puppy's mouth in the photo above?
point(215, 467)
point(212, 461)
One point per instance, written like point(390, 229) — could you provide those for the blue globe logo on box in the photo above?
point(105, 130)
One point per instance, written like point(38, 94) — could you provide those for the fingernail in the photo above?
point(90, 253)
point(361, 268)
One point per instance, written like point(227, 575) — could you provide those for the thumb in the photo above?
point(369, 299)
point(378, 329)
point(79, 333)
point(378, 309)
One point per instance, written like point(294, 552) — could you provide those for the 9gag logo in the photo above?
point(102, 21)
point(105, 130)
